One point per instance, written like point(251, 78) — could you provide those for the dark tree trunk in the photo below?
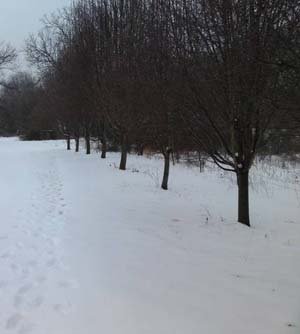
point(103, 139)
point(141, 150)
point(77, 144)
point(124, 149)
point(165, 181)
point(88, 142)
point(104, 148)
point(201, 162)
point(104, 143)
point(243, 210)
point(68, 142)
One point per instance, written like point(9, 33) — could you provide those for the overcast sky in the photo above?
point(19, 18)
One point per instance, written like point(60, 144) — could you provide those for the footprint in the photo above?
point(54, 241)
point(41, 279)
point(37, 302)
point(18, 301)
point(51, 263)
point(32, 264)
point(62, 308)
point(50, 251)
point(13, 321)
point(24, 289)
point(14, 267)
point(6, 255)
point(25, 272)
point(68, 284)
point(19, 245)
point(3, 284)
point(26, 329)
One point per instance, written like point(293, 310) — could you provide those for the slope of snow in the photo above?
point(87, 249)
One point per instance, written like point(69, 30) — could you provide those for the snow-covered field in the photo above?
point(87, 249)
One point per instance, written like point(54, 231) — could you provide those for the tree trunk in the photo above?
point(141, 150)
point(88, 142)
point(77, 144)
point(104, 149)
point(243, 210)
point(201, 162)
point(104, 140)
point(124, 152)
point(165, 181)
point(68, 142)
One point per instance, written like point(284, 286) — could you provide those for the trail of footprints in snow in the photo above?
point(44, 219)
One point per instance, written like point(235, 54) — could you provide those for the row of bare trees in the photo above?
point(217, 76)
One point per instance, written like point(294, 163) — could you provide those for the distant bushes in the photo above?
point(39, 135)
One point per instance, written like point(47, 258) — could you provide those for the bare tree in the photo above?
point(7, 56)
point(229, 49)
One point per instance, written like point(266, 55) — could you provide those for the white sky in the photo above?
point(19, 18)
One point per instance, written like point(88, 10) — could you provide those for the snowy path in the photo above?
point(86, 249)
point(32, 222)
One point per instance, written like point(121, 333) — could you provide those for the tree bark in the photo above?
point(243, 198)
point(104, 149)
point(141, 150)
point(77, 144)
point(124, 149)
point(201, 162)
point(104, 143)
point(103, 139)
point(68, 142)
point(88, 142)
point(165, 181)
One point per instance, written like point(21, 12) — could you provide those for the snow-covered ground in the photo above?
point(88, 249)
